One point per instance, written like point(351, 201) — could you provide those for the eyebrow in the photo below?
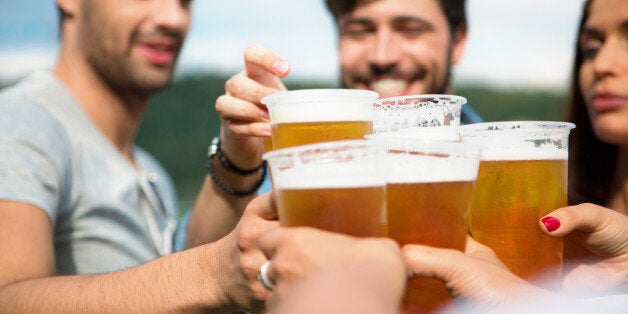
point(592, 31)
point(395, 20)
point(412, 19)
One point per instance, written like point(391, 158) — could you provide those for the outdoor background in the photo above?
point(516, 66)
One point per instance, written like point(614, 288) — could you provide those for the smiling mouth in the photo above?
point(389, 86)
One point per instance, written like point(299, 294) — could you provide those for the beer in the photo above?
point(428, 194)
point(292, 134)
point(432, 214)
point(336, 186)
point(268, 144)
point(308, 116)
point(417, 212)
point(522, 177)
point(357, 211)
point(510, 198)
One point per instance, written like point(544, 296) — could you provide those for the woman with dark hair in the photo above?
point(598, 169)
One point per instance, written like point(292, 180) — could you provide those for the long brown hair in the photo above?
point(592, 163)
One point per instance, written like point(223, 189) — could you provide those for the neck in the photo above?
point(117, 114)
point(619, 198)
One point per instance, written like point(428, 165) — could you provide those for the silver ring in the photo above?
point(262, 276)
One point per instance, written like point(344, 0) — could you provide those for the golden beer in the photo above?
point(336, 186)
point(434, 214)
point(357, 211)
point(522, 177)
point(428, 196)
point(510, 198)
point(293, 134)
point(268, 144)
point(308, 116)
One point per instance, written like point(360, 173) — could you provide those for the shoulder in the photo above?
point(26, 122)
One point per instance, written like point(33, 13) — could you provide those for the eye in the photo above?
point(589, 47)
point(411, 29)
point(357, 29)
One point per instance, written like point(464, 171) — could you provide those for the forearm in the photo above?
point(185, 281)
point(216, 212)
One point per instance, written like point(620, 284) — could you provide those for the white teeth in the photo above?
point(389, 86)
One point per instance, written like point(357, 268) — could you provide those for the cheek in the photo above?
point(586, 80)
point(350, 54)
point(427, 53)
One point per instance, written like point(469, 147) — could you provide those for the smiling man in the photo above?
point(86, 217)
point(394, 47)
point(399, 47)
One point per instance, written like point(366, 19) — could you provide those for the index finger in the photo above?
point(264, 65)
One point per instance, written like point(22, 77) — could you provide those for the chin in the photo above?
point(611, 129)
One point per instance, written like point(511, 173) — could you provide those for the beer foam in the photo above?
point(396, 113)
point(316, 105)
point(332, 111)
point(348, 163)
point(341, 175)
point(425, 169)
point(519, 140)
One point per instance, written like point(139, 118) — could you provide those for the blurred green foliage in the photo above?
point(182, 120)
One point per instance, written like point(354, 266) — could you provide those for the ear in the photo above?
point(68, 7)
point(459, 42)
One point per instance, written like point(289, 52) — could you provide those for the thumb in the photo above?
point(432, 262)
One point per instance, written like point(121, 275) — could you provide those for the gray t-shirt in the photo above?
point(106, 213)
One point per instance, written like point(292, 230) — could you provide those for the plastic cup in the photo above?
point(522, 177)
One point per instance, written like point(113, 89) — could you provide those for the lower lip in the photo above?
point(158, 57)
point(608, 104)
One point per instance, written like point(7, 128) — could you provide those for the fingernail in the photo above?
point(551, 223)
point(281, 67)
point(264, 115)
point(266, 129)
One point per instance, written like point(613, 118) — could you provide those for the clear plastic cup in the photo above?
point(522, 177)
point(308, 116)
point(336, 186)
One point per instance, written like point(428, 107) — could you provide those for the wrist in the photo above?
point(215, 151)
point(230, 179)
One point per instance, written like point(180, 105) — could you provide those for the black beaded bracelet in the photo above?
point(215, 150)
point(231, 191)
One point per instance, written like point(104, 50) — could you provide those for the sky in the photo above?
point(518, 44)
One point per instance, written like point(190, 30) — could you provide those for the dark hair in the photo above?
point(454, 10)
point(592, 163)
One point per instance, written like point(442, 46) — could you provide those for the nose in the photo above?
point(611, 58)
point(172, 14)
point(386, 52)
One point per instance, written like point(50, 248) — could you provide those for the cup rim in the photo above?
point(538, 126)
point(461, 100)
point(427, 146)
point(319, 95)
point(289, 151)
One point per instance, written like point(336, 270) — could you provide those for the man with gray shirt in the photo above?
point(87, 217)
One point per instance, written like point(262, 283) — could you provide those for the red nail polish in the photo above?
point(551, 223)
